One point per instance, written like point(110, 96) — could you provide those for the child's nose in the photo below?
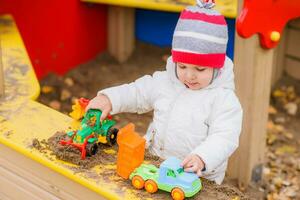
point(190, 74)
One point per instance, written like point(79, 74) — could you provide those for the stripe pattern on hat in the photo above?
point(200, 37)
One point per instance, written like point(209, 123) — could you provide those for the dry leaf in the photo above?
point(272, 196)
point(291, 96)
point(290, 192)
point(47, 89)
point(290, 89)
point(271, 138)
point(74, 99)
point(266, 171)
point(282, 196)
point(285, 149)
point(286, 183)
point(272, 110)
point(270, 125)
point(280, 120)
point(279, 128)
point(288, 135)
point(278, 182)
point(69, 82)
point(291, 108)
point(55, 105)
point(65, 94)
point(298, 165)
point(271, 155)
point(274, 169)
point(279, 93)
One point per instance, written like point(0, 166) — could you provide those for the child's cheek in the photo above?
point(204, 79)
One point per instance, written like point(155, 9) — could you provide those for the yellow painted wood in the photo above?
point(20, 81)
point(1, 74)
point(227, 7)
point(34, 120)
point(22, 119)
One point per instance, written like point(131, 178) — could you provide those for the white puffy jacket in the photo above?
point(206, 122)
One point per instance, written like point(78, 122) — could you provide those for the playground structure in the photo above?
point(19, 108)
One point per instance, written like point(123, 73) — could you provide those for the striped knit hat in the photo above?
point(200, 37)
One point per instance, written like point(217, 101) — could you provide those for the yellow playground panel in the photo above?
point(227, 7)
point(26, 173)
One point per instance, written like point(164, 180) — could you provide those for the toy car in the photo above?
point(169, 177)
point(92, 132)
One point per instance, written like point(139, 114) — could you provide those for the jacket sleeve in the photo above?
point(224, 131)
point(133, 97)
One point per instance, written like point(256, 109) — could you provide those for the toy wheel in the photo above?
point(138, 182)
point(151, 186)
point(66, 138)
point(111, 136)
point(91, 149)
point(177, 194)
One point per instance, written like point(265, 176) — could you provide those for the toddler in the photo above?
point(197, 115)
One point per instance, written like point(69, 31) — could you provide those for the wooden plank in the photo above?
point(293, 43)
point(121, 38)
point(4, 197)
point(37, 174)
point(226, 7)
point(1, 73)
point(10, 183)
point(293, 67)
point(279, 61)
point(253, 69)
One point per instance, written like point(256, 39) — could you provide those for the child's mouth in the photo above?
point(191, 84)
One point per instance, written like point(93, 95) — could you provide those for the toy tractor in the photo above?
point(92, 132)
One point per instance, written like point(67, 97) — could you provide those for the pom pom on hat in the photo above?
point(206, 3)
point(200, 36)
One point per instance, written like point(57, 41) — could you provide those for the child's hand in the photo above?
point(193, 163)
point(101, 102)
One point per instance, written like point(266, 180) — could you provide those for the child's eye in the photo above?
point(201, 69)
point(181, 66)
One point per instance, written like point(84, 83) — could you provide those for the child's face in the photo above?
point(193, 76)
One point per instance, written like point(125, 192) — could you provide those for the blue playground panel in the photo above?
point(157, 28)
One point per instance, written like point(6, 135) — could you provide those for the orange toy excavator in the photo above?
point(131, 150)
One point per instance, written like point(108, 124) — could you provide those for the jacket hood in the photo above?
point(225, 78)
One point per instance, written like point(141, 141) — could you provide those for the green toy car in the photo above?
point(92, 132)
point(169, 177)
